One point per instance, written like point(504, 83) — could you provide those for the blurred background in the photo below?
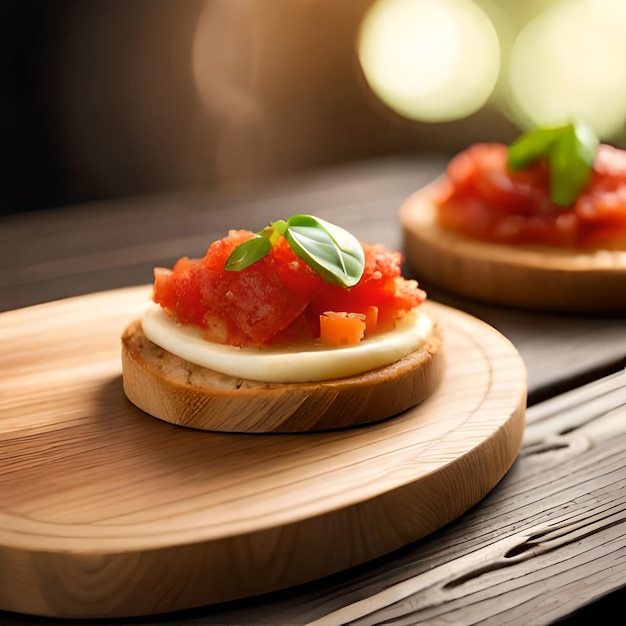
point(104, 99)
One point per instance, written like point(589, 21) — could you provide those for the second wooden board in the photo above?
point(107, 512)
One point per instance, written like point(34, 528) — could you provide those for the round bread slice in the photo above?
point(530, 277)
point(174, 390)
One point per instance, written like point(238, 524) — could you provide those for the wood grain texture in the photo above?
point(106, 511)
point(528, 277)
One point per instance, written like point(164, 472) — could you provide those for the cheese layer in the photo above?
point(287, 364)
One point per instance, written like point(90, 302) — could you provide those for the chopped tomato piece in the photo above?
point(371, 319)
point(161, 276)
point(341, 329)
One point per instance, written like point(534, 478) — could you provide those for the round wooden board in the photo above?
point(530, 277)
point(108, 512)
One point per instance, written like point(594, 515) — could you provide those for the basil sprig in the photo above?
point(331, 251)
point(570, 150)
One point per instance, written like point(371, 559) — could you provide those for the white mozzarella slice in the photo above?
point(287, 364)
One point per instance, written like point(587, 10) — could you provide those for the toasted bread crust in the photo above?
point(174, 390)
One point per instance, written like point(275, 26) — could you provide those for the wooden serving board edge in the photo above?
point(83, 582)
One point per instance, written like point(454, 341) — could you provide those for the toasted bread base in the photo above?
point(176, 391)
point(530, 277)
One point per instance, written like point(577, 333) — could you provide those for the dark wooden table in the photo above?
point(547, 545)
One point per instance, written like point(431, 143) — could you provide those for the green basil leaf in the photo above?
point(570, 151)
point(570, 161)
point(247, 253)
point(331, 251)
point(274, 231)
point(530, 146)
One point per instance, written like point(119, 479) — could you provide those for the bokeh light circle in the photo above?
point(564, 65)
point(429, 60)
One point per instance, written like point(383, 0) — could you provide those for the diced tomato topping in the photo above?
point(279, 298)
point(481, 198)
point(371, 320)
point(338, 328)
point(610, 162)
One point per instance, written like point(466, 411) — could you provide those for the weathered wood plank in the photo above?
point(548, 540)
